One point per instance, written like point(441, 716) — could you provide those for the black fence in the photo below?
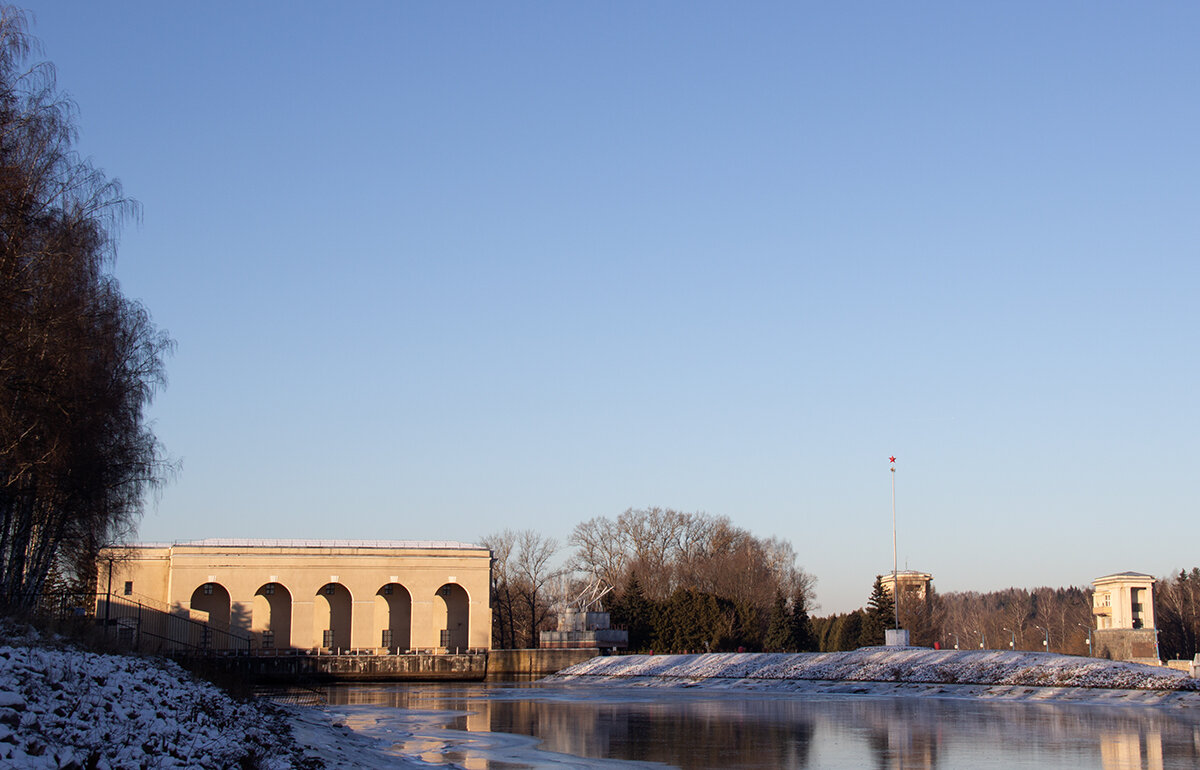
point(141, 624)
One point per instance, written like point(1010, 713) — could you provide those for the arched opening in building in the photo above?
point(271, 617)
point(393, 617)
point(331, 617)
point(451, 617)
point(213, 599)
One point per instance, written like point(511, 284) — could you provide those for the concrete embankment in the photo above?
point(284, 669)
point(533, 664)
point(496, 665)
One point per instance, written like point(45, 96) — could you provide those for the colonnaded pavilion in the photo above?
point(393, 595)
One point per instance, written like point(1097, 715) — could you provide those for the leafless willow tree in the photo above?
point(79, 362)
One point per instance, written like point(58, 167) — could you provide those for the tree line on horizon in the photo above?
point(1040, 619)
point(1177, 614)
point(693, 582)
point(1012, 618)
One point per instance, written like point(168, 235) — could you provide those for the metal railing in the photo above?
point(146, 628)
point(139, 623)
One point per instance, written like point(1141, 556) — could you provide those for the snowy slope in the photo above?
point(61, 707)
point(895, 671)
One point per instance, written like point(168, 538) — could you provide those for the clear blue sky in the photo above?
point(440, 269)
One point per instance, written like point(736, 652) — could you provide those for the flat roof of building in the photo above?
point(215, 542)
point(1121, 575)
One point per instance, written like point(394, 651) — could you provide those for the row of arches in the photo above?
point(271, 616)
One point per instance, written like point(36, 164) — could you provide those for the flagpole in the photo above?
point(895, 563)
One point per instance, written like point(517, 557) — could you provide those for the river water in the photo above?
point(504, 727)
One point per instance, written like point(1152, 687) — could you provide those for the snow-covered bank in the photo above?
point(61, 707)
point(900, 671)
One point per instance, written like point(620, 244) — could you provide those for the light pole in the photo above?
point(1046, 641)
point(1012, 644)
point(1089, 630)
point(895, 562)
point(108, 598)
point(956, 641)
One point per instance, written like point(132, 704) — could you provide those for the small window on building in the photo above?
point(268, 640)
point(387, 638)
point(327, 638)
point(387, 591)
point(128, 587)
point(268, 589)
point(445, 637)
point(208, 589)
point(444, 591)
point(329, 589)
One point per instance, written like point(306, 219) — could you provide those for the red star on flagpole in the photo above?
point(892, 458)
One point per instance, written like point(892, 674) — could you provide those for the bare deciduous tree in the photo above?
point(602, 550)
point(534, 570)
point(654, 536)
point(1177, 614)
point(970, 618)
point(681, 558)
point(522, 570)
point(501, 545)
point(79, 362)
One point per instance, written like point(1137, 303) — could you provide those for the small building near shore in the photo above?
point(913, 593)
point(369, 595)
point(1123, 608)
point(913, 584)
point(578, 629)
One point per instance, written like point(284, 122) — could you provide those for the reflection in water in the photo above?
point(494, 727)
point(1131, 751)
point(720, 734)
point(896, 747)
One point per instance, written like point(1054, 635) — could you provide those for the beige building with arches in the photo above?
point(380, 595)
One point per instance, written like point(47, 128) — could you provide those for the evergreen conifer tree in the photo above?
point(880, 615)
point(636, 613)
point(780, 637)
point(800, 626)
point(849, 632)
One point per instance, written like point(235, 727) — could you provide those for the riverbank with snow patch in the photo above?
point(906, 671)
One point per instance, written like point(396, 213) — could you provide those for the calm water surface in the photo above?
point(495, 727)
